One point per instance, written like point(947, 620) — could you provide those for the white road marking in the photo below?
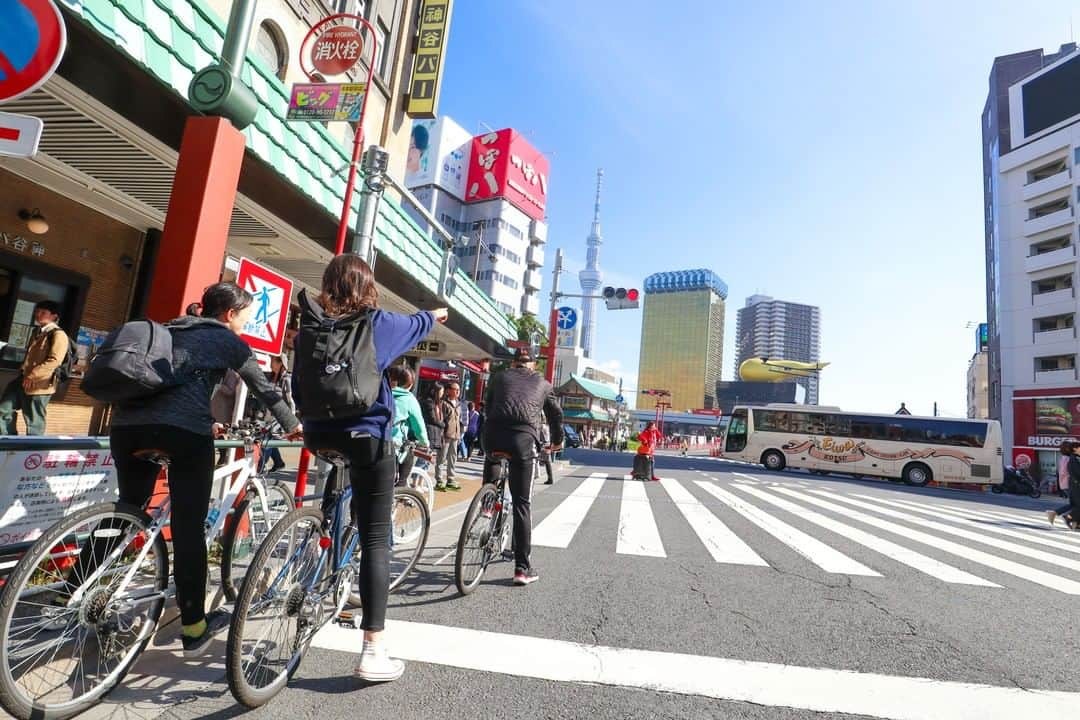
point(638, 534)
point(1006, 566)
point(761, 683)
point(558, 528)
point(724, 545)
point(899, 553)
point(966, 519)
point(817, 552)
point(1042, 555)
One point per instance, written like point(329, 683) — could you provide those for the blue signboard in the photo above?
point(567, 318)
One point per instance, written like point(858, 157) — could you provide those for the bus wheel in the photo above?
point(773, 460)
point(917, 474)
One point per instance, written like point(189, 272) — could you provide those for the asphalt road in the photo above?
point(723, 591)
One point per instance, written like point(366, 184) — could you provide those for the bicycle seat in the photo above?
point(498, 455)
point(154, 455)
point(332, 456)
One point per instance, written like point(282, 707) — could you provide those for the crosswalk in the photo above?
point(991, 547)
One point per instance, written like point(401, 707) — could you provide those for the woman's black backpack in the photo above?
point(336, 372)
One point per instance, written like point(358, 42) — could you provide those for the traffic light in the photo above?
point(621, 298)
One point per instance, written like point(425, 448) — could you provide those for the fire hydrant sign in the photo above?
point(265, 331)
point(336, 50)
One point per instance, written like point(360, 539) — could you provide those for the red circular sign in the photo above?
point(32, 40)
point(336, 50)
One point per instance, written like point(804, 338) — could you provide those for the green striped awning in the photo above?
point(172, 39)
point(594, 415)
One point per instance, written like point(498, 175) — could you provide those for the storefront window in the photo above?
point(22, 286)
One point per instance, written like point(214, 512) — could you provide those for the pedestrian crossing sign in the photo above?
point(265, 330)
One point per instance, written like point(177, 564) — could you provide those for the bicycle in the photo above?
point(72, 628)
point(302, 577)
point(488, 527)
point(419, 478)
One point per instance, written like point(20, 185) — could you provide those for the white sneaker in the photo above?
point(377, 666)
point(1051, 516)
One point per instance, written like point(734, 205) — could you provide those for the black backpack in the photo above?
point(336, 372)
point(134, 362)
point(67, 365)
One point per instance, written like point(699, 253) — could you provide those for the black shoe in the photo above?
point(526, 577)
point(277, 468)
point(550, 482)
point(216, 623)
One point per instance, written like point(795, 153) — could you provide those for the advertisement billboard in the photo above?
point(438, 155)
point(982, 337)
point(503, 164)
point(1045, 422)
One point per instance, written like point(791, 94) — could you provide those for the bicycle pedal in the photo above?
point(346, 618)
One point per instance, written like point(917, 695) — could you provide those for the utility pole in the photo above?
point(553, 323)
point(935, 408)
point(374, 165)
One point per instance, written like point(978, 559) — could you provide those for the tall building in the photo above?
point(682, 337)
point(978, 377)
point(491, 192)
point(781, 330)
point(1031, 256)
point(996, 142)
point(591, 277)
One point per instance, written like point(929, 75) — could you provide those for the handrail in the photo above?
point(22, 443)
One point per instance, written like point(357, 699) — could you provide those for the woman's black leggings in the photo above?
point(191, 474)
point(372, 472)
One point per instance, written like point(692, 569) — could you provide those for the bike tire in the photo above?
point(35, 562)
point(306, 520)
point(420, 481)
point(467, 575)
point(238, 541)
point(415, 542)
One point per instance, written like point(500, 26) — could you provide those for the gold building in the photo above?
point(682, 337)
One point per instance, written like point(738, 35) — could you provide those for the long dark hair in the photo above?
point(222, 297)
point(433, 393)
point(348, 286)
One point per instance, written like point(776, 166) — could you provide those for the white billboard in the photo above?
point(438, 155)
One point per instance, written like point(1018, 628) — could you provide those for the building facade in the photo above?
point(682, 337)
point(978, 386)
point(997, 141)
point(783, 331)
point(490, 192)
point(115, 115)
point(1034, 188)
point(739, 392)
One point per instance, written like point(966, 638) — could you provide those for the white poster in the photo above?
point(38, 488)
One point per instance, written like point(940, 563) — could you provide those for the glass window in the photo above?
point(381, 36)
point(271, 49)
point(18, 296)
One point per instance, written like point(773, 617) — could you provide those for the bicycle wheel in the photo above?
point(72, 624)
point(250, 524)
point(281, 607)
point(411, 521)
point(475, 544)
point(420, 481)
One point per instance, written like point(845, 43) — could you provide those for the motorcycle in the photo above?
point(1017, 482)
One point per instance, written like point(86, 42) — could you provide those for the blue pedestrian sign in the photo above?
point(620, 399)
point(567, 318)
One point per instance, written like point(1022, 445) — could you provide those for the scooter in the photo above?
point(1017, 482)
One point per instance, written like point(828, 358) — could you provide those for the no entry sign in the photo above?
point(32, 41)
point(265, 331)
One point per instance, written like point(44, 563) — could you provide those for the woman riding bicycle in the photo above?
point(364, 438)
point(178, 422)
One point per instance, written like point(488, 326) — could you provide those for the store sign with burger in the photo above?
point(1053, 421)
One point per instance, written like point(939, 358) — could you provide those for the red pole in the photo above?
point(301, 476)
point(346, 208)
point(553, 321)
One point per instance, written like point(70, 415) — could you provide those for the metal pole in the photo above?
point(374, 167)
point(237, 35)
point(479, 245)
point(554, 319)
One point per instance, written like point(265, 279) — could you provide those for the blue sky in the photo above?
point(824, 153)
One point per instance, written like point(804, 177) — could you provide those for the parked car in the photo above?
point(573, 440)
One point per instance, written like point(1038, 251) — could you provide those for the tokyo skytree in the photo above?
point(591, 277)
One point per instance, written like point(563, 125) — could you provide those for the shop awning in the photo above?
point(587, 415)
point(472, 367)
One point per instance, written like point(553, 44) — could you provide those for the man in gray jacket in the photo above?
point(517, 399)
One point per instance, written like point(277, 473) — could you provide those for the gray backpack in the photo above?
point(336, 374)
point(134, 362)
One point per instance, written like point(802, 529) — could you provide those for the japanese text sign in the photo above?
point(265, 330)
point(32, 41)
point(504, 164)
point(336, 50)
point(322, 102)
point(427, 67)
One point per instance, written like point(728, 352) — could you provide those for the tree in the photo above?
point(527, 326)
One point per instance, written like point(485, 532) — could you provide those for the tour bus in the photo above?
point(916, 450)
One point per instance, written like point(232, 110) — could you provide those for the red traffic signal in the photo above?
point(621, 298)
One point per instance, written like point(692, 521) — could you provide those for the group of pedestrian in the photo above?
point(454, 431)
point(1069, 481)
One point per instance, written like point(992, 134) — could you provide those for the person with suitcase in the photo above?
point(644, 462)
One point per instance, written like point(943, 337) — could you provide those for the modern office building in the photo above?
point(490, 191)
point(682, 337)
point(997, 141)
point(1032, 261)
point(783, 331)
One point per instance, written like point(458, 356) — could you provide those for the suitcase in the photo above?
point(643, 467)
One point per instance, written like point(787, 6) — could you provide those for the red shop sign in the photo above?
point(431, 373)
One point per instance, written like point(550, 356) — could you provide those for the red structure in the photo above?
point(504, 164)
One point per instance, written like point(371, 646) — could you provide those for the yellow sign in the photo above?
point(428, 64)
point(575, 402)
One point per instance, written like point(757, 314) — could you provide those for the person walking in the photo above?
point(281, 379)
point(517, 399)
point(38, 379)
point(178, 421)
point(545, 454)
point(408, 419)
point(435, 420)
point(448, 455)
point(648, 439)
point(1068, 479)
point(348, 304)
point(472, 429)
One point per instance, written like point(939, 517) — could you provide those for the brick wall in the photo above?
point(82, 241)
